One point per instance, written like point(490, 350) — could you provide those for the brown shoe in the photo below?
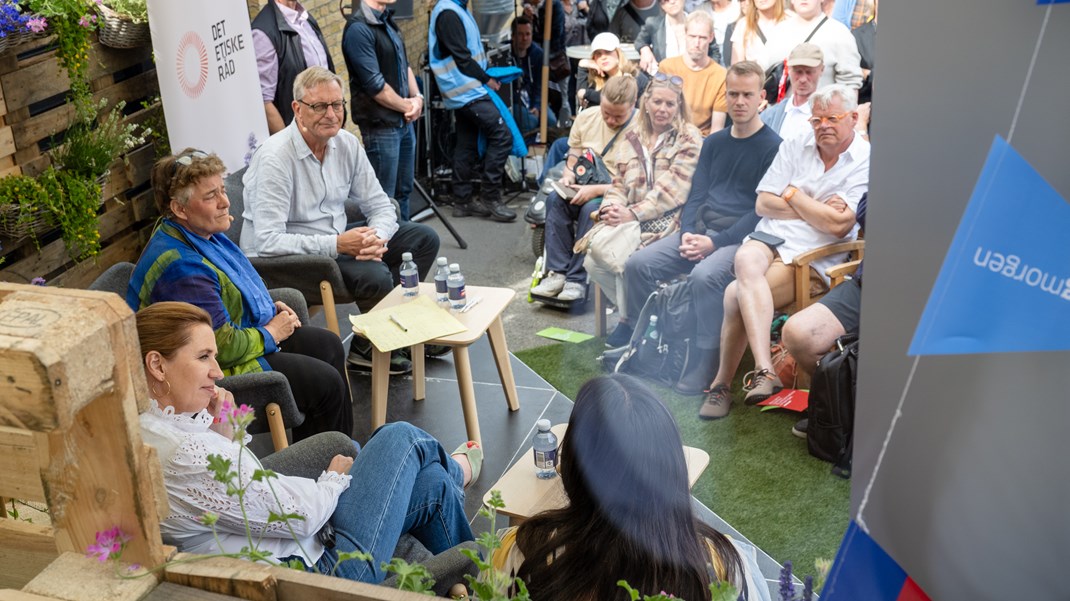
point(762, 384)
point(717, 403)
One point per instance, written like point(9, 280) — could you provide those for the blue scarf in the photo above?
point(505, 75)
point(228, 258)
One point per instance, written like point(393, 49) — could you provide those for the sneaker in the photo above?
point(573, 291)
point(469, 209)
point(551, 285)
point(497, 211)
point(717, 403)
point(799, 429)
point(435, 351)
point(620, 336)
point(360, 357)
point(761, 385)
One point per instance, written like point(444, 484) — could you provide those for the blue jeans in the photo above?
point(403, 481)
point(557, 153)
point(565, 224)
point(392, 153)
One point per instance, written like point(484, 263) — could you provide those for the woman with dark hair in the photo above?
point(629, 514)
point(190, 259)
point(402, 481)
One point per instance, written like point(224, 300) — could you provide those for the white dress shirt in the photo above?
point(796, 122)
point(798, 164)
point(295, 205)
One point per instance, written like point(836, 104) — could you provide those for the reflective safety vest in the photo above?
point(457, 88)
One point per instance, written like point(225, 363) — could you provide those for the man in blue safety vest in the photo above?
point(458, 63)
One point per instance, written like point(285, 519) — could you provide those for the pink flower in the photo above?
point(37, 24)
point(109, 545)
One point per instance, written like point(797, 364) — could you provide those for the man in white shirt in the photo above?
point(807, 199)
point(297, 187)
point(791, 117)
point(843, 63)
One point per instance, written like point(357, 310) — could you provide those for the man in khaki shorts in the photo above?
point(807, 199)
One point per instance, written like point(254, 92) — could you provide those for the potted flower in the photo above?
point(73, 22)
point(25, 207)
point(13, 24)
point(123, 23)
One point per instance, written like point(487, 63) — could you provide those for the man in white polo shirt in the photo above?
point(790, 118)
point(806, 199)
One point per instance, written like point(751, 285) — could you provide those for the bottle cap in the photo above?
point(653, 319)
point(543, 425)
point(441, 261)
point(406, 256)
point(455, 267)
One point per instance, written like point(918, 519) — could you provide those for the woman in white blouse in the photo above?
point(402, 481)
point(756, 32)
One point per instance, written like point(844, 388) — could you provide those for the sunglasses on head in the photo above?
point(675, 80)
point(186, 159)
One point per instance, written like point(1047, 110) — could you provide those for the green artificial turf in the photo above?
point(761, 479)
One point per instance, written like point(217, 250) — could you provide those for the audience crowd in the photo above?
point(678, 166)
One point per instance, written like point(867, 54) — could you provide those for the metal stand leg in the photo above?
point(438, 213)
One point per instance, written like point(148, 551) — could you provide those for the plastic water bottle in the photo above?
point(442, 295)
point(652, 330)
point(455, 288)
point(410, 276)
point(545, 449)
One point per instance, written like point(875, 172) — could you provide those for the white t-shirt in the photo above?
point(798, 164)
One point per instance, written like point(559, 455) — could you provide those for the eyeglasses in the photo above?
point(675, 80)
point(320, 108)
point(832, 119)
point(186, 159)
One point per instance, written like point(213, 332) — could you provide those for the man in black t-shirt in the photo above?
point(718, 214)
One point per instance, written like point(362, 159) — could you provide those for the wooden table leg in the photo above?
point(468, 393)
point(418, 392)
point(496, 335)
point(380, 386)
point(599, 311)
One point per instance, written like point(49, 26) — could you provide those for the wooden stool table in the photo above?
point(525, 494)
point(484, 317)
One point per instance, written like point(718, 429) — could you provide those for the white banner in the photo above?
point(208, 80)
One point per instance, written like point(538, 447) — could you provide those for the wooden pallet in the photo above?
point(33, 116)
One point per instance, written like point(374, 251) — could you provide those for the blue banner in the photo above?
point(1005, 283)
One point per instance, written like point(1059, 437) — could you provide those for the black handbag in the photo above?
point(560, 68)
point(830, 430)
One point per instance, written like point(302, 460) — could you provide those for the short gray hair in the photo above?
point(312, 77)
point(823, 97)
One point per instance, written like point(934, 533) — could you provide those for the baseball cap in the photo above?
point(806, 55)
point(605, 41)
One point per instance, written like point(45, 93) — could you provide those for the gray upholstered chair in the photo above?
point(268, 393)
point(316, 277)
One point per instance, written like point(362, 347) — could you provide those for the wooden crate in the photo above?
point(34, 114)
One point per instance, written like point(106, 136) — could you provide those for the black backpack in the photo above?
point(665, 357)
point(830, 430)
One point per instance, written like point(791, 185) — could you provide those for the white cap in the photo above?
point(543, 425)
point(406, 256)
point(441, 261)
point(605, 41)
point(455, 267)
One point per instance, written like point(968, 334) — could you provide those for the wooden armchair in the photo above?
point(836, 273)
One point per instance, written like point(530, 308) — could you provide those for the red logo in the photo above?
point(191, 64)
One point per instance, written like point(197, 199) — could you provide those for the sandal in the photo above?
point(474, 453)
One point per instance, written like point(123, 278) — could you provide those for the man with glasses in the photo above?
point(806, 199)
point(386, 99)
point(296, 190)
point(703, 80)
point(287, 40)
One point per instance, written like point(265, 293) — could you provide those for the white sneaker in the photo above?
point(573, 291)
point(551, 285)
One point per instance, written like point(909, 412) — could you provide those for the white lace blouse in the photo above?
point(183, 442)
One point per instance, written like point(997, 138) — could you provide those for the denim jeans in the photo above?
point(392, 153)
point(557, 153)
point(403, 481)
point(565, 224)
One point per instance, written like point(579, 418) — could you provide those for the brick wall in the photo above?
point(414, 31)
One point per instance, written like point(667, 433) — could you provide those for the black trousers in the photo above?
point(370, 281)
point(480, 116)
point(314, 362)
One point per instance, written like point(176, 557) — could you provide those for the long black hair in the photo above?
point(629, 514)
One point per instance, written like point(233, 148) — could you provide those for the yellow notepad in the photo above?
point(416, 321)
